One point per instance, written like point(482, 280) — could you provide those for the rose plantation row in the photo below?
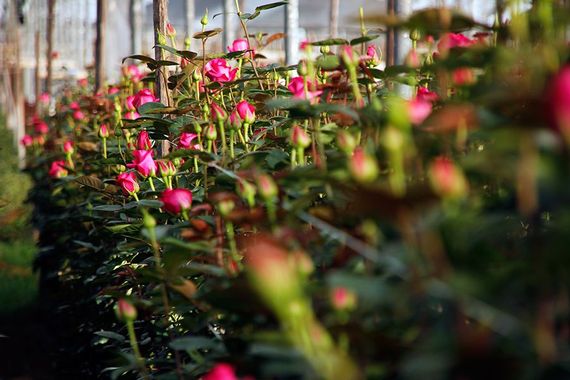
point(299, 222)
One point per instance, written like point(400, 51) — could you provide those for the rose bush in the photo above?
point(267, 221)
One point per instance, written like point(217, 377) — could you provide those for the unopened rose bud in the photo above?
point(412, 59)
point(217, 113)
point(68, 147)
point(149, 221)
point(225, 207)
point(415, 35)
point(346, 142)
point(170, 31)
point(196, 75)
point(325, 49)
point(343, 298)
point(161, 39)
point(103, 131)
point(125, 311)
point(363, 166)
point(447, 179)
point(299, 138)
point(211, 133)
point(204, 19)
point(303, 263)
point(302, 68)
point(247, 191)
point(267, 187)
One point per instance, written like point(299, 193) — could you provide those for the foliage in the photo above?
point(335, 229)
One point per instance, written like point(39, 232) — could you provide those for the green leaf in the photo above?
point(140, 57)
point(363, 39)
point(111, 335)
point(108, 208)
point(207, 33)
point(193, 343)
point(330, 42)
point(328, 62)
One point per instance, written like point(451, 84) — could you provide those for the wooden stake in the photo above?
point(100, 45)
point(49, 51)
point(160, 15)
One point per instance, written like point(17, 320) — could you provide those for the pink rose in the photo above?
point(57, 169)
point(112, 90)
point(297, 88)
point(78, 115)
point(128, 182)
point(221, 371)
point(219, 71)
point(558, 98)
point(453, 40)
point(166, 168)
point(239, 45)
point(446, 178)
point(463, 76)
point(186, 139)
point(103, 131)
point(143, 163)
point(142, 97)
point(304, 44)
point(44, 98)
point(41, 127)
point(83, 82)
point(133, 72)
point(427, 95)
point(74, 106)
point(371, 55)
point(418, 110)
point(129, 103)
point(143, 141)
point(177, 200)
point(170, 31)
point(343, 299)
point(27, 140)
point(246, 111)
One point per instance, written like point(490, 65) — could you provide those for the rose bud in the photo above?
point(125, 311)
point(346, 142)
point(297, 88)
point(363, 166)
point(349, 56)
point(143, 141)
point(103, 131)
point(211, 133)
point(247, 191)
point(57, 169)
point(143, 163)
point(266, 186)
point(426, 95)
point(446, 179)
point(412, 59)
point(170, 31)
point(176, 201)
point(41, 127)
point(235, 120)
point(225, 207)
point(40, 140)
point(342, 298)
point(68, 147)
point(246, 111)
point(217, 113)
point(44, 98)
point(128, 182)
point(299, 138)
point(204, 19)
point(166, 168)
point(418, 110)
point(27, 140)
point(372, 55)
point(463, 76)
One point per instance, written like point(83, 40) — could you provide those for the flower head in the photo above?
point(78, 115)
point(170, 31)
point(27, 140)
point(143, 163)
point(299, 138)
point(176, 200)
point(297, 88)
point(246, 111)
point(221, 371)
point(57, 169)
point(343, 298)
point(446, 178)
point(185, 141)
point(103, 131)
point(239, 45)
point(143, 141)
point(125, 310)
point(41, 127)
point(68, 147)
point(142, 97)
point(128, 182)
point(425, 94)
point(418, 110)
point(218, 71)
point(453, 40)
point(218, 113)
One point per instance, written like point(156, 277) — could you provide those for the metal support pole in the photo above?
point(37, 82)
point(335, 7)
point(49, 50)
point(391, 40)
point(229, 22)
point(136, 19)
point(190, 17)
point(100, 45)
point(404, 43)
point(292, 32)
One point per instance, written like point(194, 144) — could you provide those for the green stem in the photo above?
point(232, 137)
point(135, 346)
point(232, 242)
point(151, 183)
point(104, 147)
